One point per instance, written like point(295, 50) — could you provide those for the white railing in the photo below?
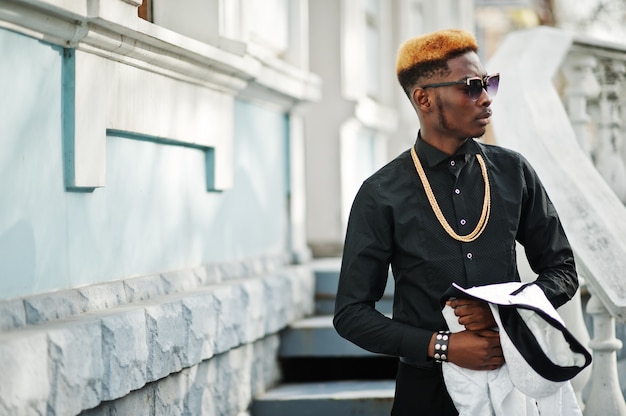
point(595, 99)
point(594, 95)
point(561, 102)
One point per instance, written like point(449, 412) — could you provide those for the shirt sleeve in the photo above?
point(363, 277)
point(547, 248)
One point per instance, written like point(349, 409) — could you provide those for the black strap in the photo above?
point(520, 289)
point(526, 343)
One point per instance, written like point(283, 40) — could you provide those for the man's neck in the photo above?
point(448, 145)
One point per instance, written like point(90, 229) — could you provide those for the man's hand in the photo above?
point(476, 350)
point(475, 315)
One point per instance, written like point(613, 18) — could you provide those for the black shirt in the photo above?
point(392, 223)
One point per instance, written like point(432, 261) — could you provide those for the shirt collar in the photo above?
point(433, 156)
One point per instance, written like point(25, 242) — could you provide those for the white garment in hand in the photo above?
point(514, 389)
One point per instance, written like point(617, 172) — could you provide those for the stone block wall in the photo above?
point(193, 342)
point(223, 385)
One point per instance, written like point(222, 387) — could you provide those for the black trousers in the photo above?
point(421, 392)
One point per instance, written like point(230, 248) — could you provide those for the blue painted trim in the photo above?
point(210, 170)
point(154, 139)
point(68, 111)
point(209, 151)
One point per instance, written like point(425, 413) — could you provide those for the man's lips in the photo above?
point(483, 118)
point(485, 115)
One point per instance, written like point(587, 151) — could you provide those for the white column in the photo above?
point(300, 251)
point(605, 396)
point(581, 85)
point(607, 156)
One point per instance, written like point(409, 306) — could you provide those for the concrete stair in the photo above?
point(363, 398)
point(326, 279)
point(316, 337)
point(323, 374)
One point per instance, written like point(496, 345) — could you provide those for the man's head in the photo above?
point(448, 86)
point(423, 57)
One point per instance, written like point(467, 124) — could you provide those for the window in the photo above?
point(145, 10)
point(372, 48)
point(268, 24)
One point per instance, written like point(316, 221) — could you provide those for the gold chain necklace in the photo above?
point(484, 216)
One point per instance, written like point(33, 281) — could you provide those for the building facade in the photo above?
point(152, 203)
point(169, 172)
point(364, 118)
point(167, 175)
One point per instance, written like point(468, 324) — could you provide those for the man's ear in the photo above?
point(421, 99)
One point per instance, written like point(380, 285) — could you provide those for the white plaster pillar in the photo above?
point(300, 251)
point(605, 396)
point(581, 85)
point(608, 158)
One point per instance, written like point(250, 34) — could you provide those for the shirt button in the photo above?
point(457, 191)
point(463, 222)
point(469, 256)
point(452, 163)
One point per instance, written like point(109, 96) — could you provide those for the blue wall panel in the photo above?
point(153, 215)
point(33, 206)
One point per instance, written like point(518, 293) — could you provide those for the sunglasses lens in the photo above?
point(475, 88)
point(492, 85)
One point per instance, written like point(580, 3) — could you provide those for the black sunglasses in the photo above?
point(475, 85)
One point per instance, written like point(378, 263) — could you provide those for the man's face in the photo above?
point(456, 114)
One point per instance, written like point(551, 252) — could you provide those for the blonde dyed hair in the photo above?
point(424, 55)
point(435, 46)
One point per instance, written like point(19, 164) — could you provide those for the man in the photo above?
point(449, 210)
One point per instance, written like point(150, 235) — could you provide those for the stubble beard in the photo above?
point(443, 121)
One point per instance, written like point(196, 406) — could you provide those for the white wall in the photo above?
point(355, 129)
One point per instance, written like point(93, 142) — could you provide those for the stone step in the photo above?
point(364, 398)
point(326, 279)
point(310, 350)
point(316, 337)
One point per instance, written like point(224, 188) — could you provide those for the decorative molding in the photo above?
point(122, 73)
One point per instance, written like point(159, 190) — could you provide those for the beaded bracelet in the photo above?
point(441, 346)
